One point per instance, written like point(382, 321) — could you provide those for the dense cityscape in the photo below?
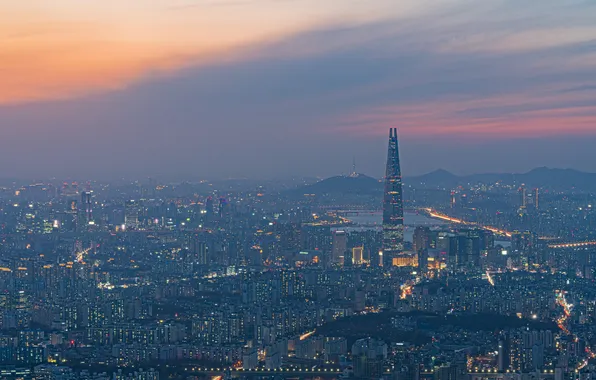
point(439, 277)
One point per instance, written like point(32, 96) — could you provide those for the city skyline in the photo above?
point(205, 189)
point(294, 86)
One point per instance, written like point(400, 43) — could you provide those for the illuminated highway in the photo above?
point(306, 335)
point(562, 320)
point(80, 256)
point(562, 323)
point(490, 278)
point(435, 214)
point(406, 290)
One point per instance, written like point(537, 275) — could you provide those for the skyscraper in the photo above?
point(199, 251)
point(86, 209)
point(393, 208)
point(338, 249)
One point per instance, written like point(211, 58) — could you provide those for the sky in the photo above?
point(280, 88)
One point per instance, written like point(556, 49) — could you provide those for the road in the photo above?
point(438, 215)
point(562, 322)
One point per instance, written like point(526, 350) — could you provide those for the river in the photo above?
point(412, 219)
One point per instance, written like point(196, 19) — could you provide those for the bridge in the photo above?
point(283, 372)
point(357, 212)
point(347, 213)
point(578, 244)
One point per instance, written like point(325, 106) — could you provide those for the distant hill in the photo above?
point(439, 176)
point(556, 179)
point(353, 184)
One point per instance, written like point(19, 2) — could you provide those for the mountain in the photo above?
point(355, 184)
point(555, 179)
point(548, 178)
point(439, 176)
point(568, 177)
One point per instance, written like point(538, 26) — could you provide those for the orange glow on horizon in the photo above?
point(75, 59)
point(66, 48)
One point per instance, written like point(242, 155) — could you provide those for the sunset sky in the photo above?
point(276, 88)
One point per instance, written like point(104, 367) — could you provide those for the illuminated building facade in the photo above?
point(358, 255)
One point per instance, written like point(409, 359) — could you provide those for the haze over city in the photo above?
point(297, 189)
point(264, 88)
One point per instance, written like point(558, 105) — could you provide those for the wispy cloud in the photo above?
point(310, 94)
point(68, 48)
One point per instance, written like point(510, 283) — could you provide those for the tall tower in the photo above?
point(393, 208)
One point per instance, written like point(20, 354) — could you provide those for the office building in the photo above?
point(339, 247)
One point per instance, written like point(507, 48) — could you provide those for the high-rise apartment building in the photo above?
point(131, 214)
